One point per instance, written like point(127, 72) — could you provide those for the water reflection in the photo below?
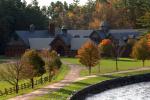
point(139, 91)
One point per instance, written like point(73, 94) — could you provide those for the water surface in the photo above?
point(139, 91)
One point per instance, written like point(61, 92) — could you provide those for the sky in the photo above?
point(47, 2)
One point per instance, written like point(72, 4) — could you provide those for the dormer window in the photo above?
point(76, 36)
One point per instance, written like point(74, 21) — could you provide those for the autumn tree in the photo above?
point(105, 47)
point(12, 73)
point(110, 48)
point(89, 55)
point(52, 62)
point(140, 50)
point(33, 65)
point(51, 56)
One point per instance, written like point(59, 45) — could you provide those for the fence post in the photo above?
point(6, 91)
point(41, 80)
point(24, 84)
point(1, 93)
point(10, 90)
point(36, 82)
point(14, 89)
point(28, 84)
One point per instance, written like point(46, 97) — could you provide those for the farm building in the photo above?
point(66, 42)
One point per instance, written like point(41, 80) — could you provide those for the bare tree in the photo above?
point(12, 73)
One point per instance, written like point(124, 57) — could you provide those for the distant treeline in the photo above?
point(17, 15)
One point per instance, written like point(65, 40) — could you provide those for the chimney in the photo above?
point(32, 28)
point(51, 29)
point(64, 30)
point(104, 26)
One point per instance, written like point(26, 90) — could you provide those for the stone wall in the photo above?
point(109, 84)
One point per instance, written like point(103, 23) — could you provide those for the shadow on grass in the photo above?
point(109, 76)
point(127, 60)
point(81, 83)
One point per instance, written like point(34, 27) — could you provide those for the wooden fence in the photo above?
point(27, 85)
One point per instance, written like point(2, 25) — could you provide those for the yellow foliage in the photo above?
point(89, 55)
point(140, 50)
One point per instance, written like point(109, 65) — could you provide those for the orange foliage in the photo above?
point(148, 40)
point(89, 55)
point(105, 42)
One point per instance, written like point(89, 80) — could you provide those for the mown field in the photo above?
point(109, 65)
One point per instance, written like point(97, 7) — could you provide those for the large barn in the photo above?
point(66, 42)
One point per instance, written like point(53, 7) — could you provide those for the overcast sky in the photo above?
point(47, 2)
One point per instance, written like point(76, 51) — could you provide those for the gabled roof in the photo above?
point(101, 34)
point(25, 35)
point(66, 38)
point(120, 34)
point(81, 33)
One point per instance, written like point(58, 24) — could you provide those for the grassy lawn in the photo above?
point(71, 60)
point(62, 73)
point(65, 92)
point(108, 65)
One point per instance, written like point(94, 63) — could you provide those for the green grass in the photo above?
point(62, 73)
point(65, 92)
point(71, 60)
point(109, 65)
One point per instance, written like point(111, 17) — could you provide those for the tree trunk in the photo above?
point(32, 83)
point(89, 70)
point(50, 77)
point(117, 64)
point(41, 80)
point(17, 87)
point(99, 68)
point(143, 63)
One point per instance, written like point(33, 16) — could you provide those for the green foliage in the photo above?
point(144, 20)
point(16, 15)
point(54, 62)
point(33, 62)
point(106, 50)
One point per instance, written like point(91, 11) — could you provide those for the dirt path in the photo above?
point(71, 77)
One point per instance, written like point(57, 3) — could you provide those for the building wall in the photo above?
point(40, 43)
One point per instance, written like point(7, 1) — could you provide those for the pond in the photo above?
point(138, 91)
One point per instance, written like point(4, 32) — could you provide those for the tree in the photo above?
point(134, 9)
point(33, 65)
point(89, 55)
point(144, 20)
point(17, 15)
point(106, 48)
point(140, 50)
point(52, 62)
point(12, 73)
